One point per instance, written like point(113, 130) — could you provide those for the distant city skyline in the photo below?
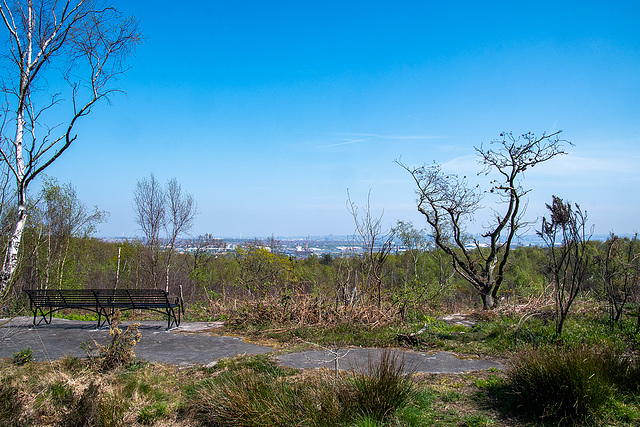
point(269, 112)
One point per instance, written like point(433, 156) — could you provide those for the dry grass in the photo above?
point(303, 309)
point(70, 392)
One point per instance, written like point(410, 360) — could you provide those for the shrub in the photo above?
point(23, 356)
point(119, 348)
point(248, 398)
point(256, 395)
point(569, 384)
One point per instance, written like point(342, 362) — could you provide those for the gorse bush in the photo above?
point(119, 348)
point(570, 385)
point(23, 356)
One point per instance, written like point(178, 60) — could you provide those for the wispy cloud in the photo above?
point(354, 138)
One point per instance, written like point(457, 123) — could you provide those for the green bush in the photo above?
point(570, 385)
point(248, 398)
point(23, 356)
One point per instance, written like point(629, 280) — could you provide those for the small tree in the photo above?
point(618, 267)
point(63, 216)
point(449, 204)
point(427, 273)
point(149, 201)
point(377, 244)
point(181, 210)
point(565, 235)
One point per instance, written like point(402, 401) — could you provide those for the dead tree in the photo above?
point(449, 204)
point(565, 235)
point(377, 244)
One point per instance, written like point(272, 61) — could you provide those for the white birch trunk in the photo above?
point(11, 258)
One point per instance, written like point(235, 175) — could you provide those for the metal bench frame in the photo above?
point(104, 302)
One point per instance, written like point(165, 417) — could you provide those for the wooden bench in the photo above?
point(104, 302)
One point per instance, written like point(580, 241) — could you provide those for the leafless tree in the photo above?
point(449, 204)
point(618, 267)
point(377, 244)
point(81, 43)
point(565, 235)
point(181, 210)
point(149, 201)
point(159, 209)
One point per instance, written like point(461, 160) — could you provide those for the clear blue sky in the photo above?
point(268, 112)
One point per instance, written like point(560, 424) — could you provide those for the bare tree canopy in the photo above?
point(61, 58)
point(149, 203)
point(161, 208)
point(449, 203)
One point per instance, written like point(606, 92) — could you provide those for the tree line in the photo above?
point(60, 252)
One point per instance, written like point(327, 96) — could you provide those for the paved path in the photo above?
point(192, 344)
point(358, 359)
point(179, 347)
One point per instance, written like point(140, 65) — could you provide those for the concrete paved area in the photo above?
point(193, 344)
point(179, 346)
point(358, 359)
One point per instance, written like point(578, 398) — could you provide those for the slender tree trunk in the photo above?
point(167, 279)
point(47, 265)
point(63, 260)
point(118, 268)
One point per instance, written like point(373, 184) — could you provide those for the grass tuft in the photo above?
point(383, 388)
point(269, 397)
point(571, 385)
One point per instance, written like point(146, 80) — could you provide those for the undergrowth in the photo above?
point(572, 385)
point(263, 396)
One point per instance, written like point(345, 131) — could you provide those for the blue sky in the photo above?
point(268, 112)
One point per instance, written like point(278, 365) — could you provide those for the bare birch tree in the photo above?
point(61, 59)
point(377, 244)
point(158, 209)
point(449, 204)
point(149, 204)
point(181, 210)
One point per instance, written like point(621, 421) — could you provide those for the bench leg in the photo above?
point(107, 318)
point(172, 319)
point(43, 315)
